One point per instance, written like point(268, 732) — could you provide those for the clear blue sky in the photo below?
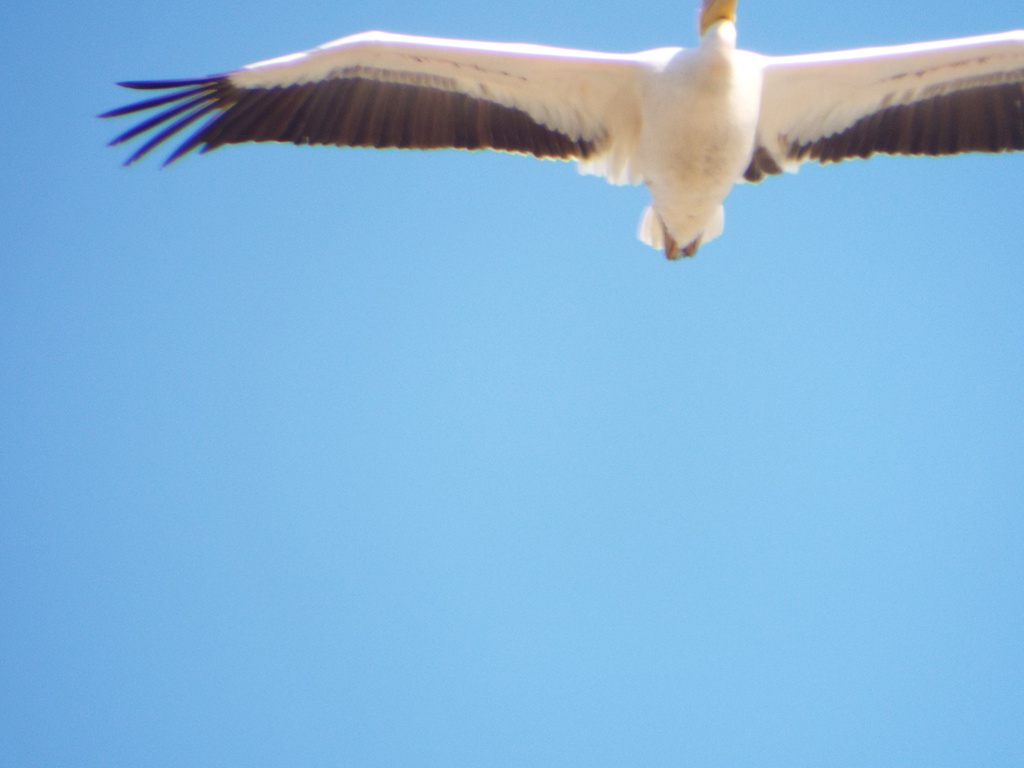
point(312, 457)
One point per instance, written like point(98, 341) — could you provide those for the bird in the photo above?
point(689, 123)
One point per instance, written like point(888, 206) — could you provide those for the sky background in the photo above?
point(312, 457)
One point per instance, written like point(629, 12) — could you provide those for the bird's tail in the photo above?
point(653, 232)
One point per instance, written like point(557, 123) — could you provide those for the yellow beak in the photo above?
point(715, 11)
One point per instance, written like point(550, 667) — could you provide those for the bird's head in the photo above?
point(714, 11)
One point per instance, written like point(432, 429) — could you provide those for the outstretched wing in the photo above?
point(939, 98)
point(384, 90)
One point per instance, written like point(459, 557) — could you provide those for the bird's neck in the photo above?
point(721, 34)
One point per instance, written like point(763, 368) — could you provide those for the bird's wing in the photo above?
point(938, 98)
point(384, 90)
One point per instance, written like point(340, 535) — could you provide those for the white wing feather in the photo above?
point(583, 94)
point(814, 96)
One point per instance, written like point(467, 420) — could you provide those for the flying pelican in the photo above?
point(688, 123)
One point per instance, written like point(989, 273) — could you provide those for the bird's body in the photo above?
point(688, 123)
point(700, 126)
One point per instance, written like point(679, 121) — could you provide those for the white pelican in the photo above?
point(688, 123)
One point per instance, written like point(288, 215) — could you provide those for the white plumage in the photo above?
point(688, 123)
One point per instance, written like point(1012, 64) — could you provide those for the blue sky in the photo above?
point(323, 457)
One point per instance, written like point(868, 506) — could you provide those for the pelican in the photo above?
point(687, 123)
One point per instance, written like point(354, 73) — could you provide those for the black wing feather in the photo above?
point(349, 111)
point(984, 119)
